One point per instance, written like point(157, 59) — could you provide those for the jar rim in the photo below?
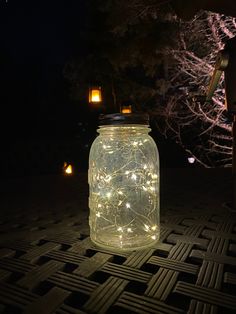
point(123, 119)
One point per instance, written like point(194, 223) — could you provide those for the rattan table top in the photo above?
point(49, 265)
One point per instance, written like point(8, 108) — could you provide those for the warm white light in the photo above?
point(134, 177)
point(129, 230)
point(147, 228)
point(98, 214)
point(154, 237)
point(154, 227)
point(108, 179)
point(109, 194)
point(127, 205)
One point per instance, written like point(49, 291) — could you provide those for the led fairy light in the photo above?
point(124, 187)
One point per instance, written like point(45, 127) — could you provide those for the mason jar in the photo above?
point(124, 184)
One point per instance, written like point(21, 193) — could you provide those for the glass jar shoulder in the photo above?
point(115, 148)
point(104, 141)
point(151, 144)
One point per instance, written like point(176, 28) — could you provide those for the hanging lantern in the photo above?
point(95, 94)
point(126, 109)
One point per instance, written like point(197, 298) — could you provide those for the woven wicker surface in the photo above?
point(49, 265)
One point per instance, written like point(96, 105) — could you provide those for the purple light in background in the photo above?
point(191, 160)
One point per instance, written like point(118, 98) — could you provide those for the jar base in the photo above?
point(124, 249)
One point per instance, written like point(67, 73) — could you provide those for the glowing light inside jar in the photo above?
point(126, 192)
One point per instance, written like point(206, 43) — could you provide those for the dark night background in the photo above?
point(40, 124)
point(47, 262)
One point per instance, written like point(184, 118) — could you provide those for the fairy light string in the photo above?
point(124, 187)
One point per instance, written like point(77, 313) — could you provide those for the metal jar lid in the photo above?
point(121, 119)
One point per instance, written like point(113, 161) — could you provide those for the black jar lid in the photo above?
point(127, 118)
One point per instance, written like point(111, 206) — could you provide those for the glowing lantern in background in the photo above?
point(95, 94)
point(126, 109)
point(67, 168)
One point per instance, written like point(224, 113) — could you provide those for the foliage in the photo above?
point(144, 54)
point(203, 129)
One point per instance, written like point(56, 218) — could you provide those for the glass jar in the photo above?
point(124, 184)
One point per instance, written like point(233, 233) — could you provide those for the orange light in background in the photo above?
point(95, 95)
point(67, 168)
point(126, 109)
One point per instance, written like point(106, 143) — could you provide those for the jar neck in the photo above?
point(130, 129)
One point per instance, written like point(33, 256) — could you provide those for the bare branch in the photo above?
point(201, 128)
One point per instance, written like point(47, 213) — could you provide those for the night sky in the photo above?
point(37, 39)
